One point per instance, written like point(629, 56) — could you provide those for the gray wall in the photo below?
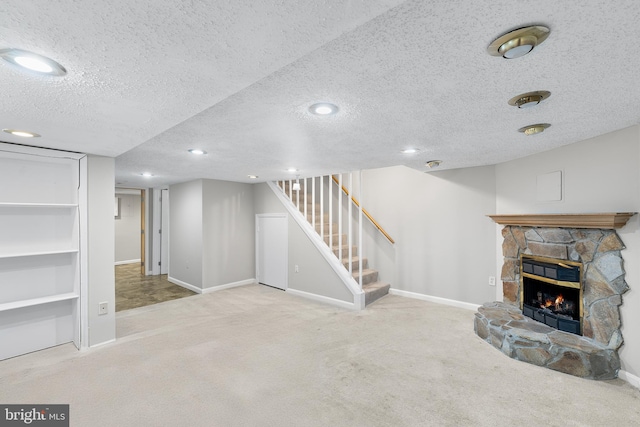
point(228, 232)
point(600, 175)
point(444, 241)
point(446, 245)
point(186, 233)
point(314, 274)
point(127, 228)
point(100, 249)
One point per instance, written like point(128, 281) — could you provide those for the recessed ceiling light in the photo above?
point(33, 62)
point(529, 99)
point(517, 43)
point(147, 174)
point(533, 129)
point(292, 170)
point(197, 151)
point(433, 163)
point(323, 109)
point(410, 151)
point(22, 133)
point(253, 176)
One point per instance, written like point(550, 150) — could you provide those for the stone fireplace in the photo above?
point(586, 250)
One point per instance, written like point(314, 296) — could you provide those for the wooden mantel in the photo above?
point(590, 220)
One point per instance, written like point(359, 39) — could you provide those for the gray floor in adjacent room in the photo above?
point(256, 356)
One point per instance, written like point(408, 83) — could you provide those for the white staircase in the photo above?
point(320, 216)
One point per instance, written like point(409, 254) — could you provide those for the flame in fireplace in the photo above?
point(549, 302)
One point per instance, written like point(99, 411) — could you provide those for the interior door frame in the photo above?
point(286, 254)
point(143, 215)
point(164, 226)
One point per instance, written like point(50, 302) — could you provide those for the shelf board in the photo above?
point(38, 205)
point(591, 220)
point(38, 301)
point(40, 253)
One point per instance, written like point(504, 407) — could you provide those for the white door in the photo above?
point(271, 250)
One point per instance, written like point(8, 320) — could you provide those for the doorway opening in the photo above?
point(138, 229)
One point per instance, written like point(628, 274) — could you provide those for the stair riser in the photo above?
point(376, 294)
point(355, 264)
point(345, 251)
point(336, 239)
point(367, 278)
point(319, 217)
point(309, 208)
point(325, 227)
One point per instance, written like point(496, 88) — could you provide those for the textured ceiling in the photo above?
point(148, 80)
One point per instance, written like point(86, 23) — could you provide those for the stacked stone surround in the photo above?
point(594, 355)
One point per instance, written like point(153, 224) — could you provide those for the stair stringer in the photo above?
point(348, 280)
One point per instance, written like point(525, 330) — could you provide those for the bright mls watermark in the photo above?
point(34, 415)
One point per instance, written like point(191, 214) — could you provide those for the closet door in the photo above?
point(39, 249)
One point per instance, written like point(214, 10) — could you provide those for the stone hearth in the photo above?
point(506, 328)
point(593, 355)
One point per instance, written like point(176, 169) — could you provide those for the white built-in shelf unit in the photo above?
point(39, 249)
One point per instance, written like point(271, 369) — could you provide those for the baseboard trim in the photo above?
point(184, 285)
point(228, 286)
point(630, 378)
point(100, 344)
point(128, 261)
point(323, 299)
point(212, 288)
point(438, 300)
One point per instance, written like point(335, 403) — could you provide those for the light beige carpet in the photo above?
point(256, 356)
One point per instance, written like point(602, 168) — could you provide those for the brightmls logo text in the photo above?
point(34, 415)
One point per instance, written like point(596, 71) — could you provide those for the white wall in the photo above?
point(444, 241)
point(600, 175)
point(228, 233)
point(127, 228)
point(100, 248)
point(186, 233)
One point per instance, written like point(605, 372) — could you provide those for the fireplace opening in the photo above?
point(552, 293)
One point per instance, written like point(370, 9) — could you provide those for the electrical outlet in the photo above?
point(492, 281)
point(296, 269)
point(103, 308)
